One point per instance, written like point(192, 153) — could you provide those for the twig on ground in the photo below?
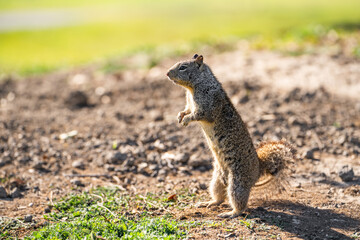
point(88, 175)
point(51, 198)
point(101, 198)
point(101, 205)
point(154, 204)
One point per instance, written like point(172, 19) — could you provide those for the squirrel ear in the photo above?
point(199, 60)
point(195, 56)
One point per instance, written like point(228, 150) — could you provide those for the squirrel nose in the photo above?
point(168, 73)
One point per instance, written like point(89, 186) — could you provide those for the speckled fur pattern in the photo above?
point(236, 166)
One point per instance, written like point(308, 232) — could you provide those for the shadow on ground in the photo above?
point(306, 222)
point(333, 183)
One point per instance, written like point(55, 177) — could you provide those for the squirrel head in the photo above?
point(186, 73)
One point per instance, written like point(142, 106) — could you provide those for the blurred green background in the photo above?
point(40, 35)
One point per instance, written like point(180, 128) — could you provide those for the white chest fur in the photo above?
point(190, 101)
point(207, 127)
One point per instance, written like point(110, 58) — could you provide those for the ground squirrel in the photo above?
point(238, 165)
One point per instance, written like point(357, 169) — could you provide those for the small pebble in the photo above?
point(109, 168)
point(116, 158)
point(161, 179)
point(77, 99)
point(77, 182)
point(3, 193)
point(78, 164)
point(202, 186)
point(15, 193)
point(346, 173)
point(309, 154)
point(230, 235)
point(28, 218)
point(182, 157)
point(47, 210)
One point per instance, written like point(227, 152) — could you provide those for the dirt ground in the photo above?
point(73, 130)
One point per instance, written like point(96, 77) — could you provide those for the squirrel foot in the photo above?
point(232, 214)
point(208, 204)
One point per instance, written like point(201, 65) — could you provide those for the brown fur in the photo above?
point(238, 165)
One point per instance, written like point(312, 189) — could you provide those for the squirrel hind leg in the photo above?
point(217, 187)
point(238, 196)
point(217, 191)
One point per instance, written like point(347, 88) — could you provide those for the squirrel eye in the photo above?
point(182, 68)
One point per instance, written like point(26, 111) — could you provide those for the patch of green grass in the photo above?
point(117, 28)
point(309, 39)
point(247, 223)
point(9, 224)
point(101, 227)
point(108, 213)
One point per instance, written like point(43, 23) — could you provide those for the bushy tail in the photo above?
point(275, 158)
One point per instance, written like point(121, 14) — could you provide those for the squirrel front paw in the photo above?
point(181, 115)
point(186, 120)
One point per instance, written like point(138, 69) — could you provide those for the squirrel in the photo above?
point(238, 165)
